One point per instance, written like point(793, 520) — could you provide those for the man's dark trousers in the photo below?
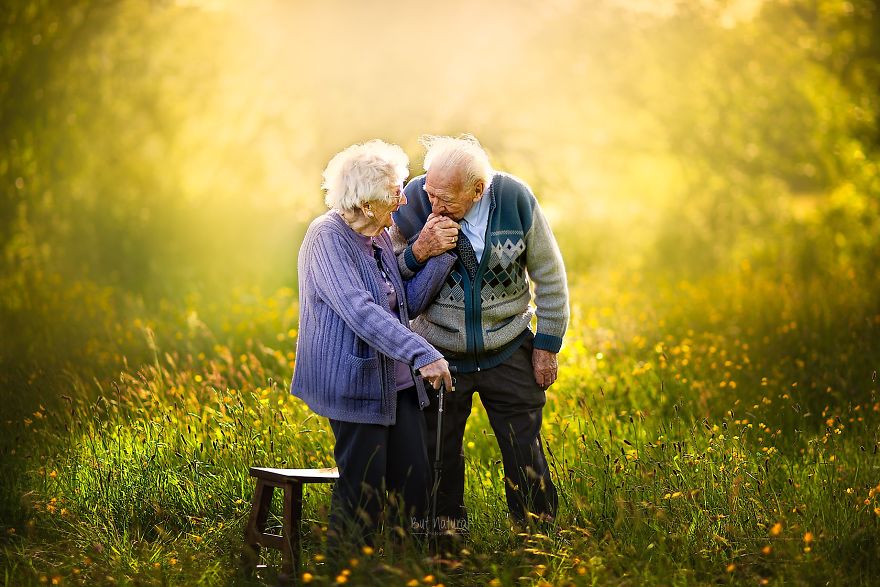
point(513, 402)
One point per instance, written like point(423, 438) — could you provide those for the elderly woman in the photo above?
point(357, 361)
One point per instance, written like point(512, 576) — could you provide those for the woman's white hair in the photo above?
point(463, 152)
point(364, 173)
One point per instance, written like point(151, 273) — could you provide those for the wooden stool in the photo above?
point(288, 542)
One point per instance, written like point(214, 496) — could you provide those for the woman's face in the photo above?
point(382, 210)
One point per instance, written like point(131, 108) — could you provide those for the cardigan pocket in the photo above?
point(363, 378)
point(362, 362)
point(446, 328)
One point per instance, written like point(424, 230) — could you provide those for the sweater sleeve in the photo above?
point(546, 270)
point(342, 287)
point(406, 260)
point(425, 285)
point(408, 223)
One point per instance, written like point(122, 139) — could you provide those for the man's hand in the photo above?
point(545, 366)
point(437, 372)
point(439, 235)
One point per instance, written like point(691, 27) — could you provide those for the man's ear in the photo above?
point(479, 187)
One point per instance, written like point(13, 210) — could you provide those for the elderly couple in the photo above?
point(396, 285)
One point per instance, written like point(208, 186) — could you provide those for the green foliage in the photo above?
point(164, 147)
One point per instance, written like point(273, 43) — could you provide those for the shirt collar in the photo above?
point(478, 210)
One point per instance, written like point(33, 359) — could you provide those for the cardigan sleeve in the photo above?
point(408, 223)
point(421, 288)
point(406, 259)
point(341, 286)
point(425, 285)
point(546, 270)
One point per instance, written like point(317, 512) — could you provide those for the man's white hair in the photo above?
point(364, 173)
point(463, 152)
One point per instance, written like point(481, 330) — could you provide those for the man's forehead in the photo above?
point(443, 180)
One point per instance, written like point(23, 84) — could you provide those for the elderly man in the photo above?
point(480, 319)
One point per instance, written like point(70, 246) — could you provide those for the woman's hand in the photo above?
point(437, 372)
point(440, 234)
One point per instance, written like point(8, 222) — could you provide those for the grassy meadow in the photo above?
point(721, 431)
point(710, 170)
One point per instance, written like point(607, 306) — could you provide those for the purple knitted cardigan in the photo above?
point(347, 340)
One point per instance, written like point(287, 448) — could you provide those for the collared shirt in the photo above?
point(475, 222)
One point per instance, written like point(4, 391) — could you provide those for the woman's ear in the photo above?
point(367, 210)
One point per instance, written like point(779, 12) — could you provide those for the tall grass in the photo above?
point(700, 432)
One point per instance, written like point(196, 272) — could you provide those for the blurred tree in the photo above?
point(92, 108)
point(759, 111)
point(163, 147)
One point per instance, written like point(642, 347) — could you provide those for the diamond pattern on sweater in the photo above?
point(503, 282)
point(504, 277)
point(505, 253)
point(452, 291)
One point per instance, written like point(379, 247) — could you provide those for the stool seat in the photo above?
point(328, 475)
point(291, 482)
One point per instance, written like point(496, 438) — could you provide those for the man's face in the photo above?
point(448, 195)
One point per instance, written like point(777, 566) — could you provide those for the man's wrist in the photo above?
point(547, 342)
point(411, 261)
point(419, 254)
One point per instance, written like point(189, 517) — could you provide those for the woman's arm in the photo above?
point(424, 286)
point(342, 287)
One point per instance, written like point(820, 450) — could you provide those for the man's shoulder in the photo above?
point(515, 201)
point(411, 217)
point(512, 186)
point(415, 186)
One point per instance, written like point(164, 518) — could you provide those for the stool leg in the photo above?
point(290, 556)
point(256, 524)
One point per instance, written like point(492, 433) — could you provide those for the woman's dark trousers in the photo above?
point(383, 475)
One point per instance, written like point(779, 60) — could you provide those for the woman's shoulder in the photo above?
point(328, 232)
point(328, 225)
point(328, 220)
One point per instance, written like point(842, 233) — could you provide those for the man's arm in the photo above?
point(547, 271)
